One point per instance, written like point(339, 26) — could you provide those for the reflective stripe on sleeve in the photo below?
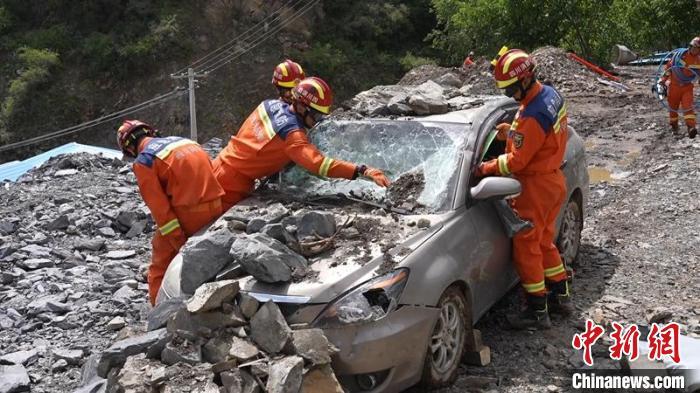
point(169, 227)
point(503, 164)
point(169, 148)
point(265, 119)
point(325, 166)
point(562, 113)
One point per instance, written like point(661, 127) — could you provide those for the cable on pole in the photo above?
point(104, 119)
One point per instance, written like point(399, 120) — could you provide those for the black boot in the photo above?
point(560, 298)
point(533, 316)
point(692, 132)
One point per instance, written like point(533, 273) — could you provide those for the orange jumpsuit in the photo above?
point(535, 150)
point(270, 138)
point(681, 70)
point(176, 181)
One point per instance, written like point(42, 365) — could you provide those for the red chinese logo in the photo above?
point(663, 341)
point(625, 342)
point(586, 340)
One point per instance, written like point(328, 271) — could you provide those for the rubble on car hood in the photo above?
point(358, 239)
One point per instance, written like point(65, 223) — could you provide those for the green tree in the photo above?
point(36, 69)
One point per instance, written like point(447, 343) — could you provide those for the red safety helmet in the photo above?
point(127, 135)
point(287, 74)
point(513, 66)
point(695, 42)
point(314, 93)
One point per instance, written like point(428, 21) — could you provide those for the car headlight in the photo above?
point(368, 302)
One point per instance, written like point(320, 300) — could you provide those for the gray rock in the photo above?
point(135, 376)
point(269, 329)
point(248, 305)
point(13, 378)
point(279, 233)
point(449, 79)
point(159, 315)
point(203, 323)
point(211, 295)
point(255, 225)
point(7, 227)
point(107, 232)
point(93, 244)
point(37, 251)
point(62, 222)
point(152, 343)
point(242, 350)
point(20, 357)
point(267, 259)
point(116, 323)
point(120, 254)
point(59, 365)
point(217, 348)
point(250, 385)
point(397, 105)
point(321, 379)
point(428, 99)
point(181, 353)
point(97, 385)
point(71, 356)
point(203, 257)
point(124, 294)
point(236, 225)
point(42, 304)
point(35, 263)
point(65, 172)
point(136, 229)
point(423, 223)
point(89, 370)
point(316, 223)
point(312, 345)
point(232, 381)
point(285, 375)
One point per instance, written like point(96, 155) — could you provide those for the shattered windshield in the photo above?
point(420, 158)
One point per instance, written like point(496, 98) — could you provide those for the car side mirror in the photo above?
point(496, 187)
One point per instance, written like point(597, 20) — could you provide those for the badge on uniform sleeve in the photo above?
point(518, 140)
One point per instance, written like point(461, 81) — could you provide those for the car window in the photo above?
point(420, 158)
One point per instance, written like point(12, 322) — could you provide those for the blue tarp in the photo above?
point(13, 170)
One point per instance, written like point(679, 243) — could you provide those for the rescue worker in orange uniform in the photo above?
point(468, 61)
point(274, 135)
point(177, 183)
point(681, 71)
point(535, 147)
point(285, 77)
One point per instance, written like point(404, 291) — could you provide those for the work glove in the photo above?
point(176, 238)
point(377, 176)
point(660, 89)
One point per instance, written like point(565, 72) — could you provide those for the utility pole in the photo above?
point(191, 85)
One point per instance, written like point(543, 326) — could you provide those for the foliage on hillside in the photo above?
point(363, 43)
point(589, 27)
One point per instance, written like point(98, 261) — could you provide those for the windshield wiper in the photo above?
point(373, 204)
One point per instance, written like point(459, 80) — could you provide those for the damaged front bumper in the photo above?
point(385, 355)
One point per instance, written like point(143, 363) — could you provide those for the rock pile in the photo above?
point(220, 340)
point(567, 75)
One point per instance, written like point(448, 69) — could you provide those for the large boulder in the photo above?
point(321, 380)
point(203, 257)
point(428, 99)
point(310, 344)
point(267, 259)
point(285, 375)
point(316, 223)
point(211, 295)
point(13, 378)
point(269, 329)
point(151, 343)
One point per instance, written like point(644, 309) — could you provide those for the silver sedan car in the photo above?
point(417, 265)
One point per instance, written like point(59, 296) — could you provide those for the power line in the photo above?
point(104, 119)
point(259, 40)
point(256, 29)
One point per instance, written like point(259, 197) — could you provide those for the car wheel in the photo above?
point(569, 240)
point(447, 341)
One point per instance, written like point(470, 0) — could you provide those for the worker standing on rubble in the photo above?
point(285, 77)
point(177, 183)
point(680, 72)
point(468, 61)
point(535, 147)
point(274, 135)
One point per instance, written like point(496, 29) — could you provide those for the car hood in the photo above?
point(378, 244)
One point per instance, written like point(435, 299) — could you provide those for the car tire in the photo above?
point(448, 341)
point(569, 239)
